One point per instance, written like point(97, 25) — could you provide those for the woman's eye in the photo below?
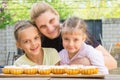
point(52, 20)
point(43, 26)
point(66, 39)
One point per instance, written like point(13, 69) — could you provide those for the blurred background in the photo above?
point(102, 17)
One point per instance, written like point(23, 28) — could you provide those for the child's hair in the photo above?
point(39, 8)
point(21, 25)
point(73, 24)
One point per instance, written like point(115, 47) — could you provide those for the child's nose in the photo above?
point(33, 43)
point(71, 43)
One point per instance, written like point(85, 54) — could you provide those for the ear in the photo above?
point(18, 45)
point(84, 37)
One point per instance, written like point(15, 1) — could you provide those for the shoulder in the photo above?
point(89, 48)
point(21, 59)
point(49, 49)
point(62, 51)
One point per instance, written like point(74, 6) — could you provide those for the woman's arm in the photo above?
point(109, 61)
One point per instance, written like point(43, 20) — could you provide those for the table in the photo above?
point(107, 77)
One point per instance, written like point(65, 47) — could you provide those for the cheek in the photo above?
point(56, 23)
point(43, 31)
point(40, 42)
point(65, 43)
point(24, 47)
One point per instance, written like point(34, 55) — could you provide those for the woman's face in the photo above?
point(48, 24)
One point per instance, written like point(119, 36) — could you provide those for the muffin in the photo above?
point(88, 70)
point(27, 69)
point(30, 70)
point(6, 69)
point(16, 70)
point(44, 70)
point(58, 69)
point(72, 70)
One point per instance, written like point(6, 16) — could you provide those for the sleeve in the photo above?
point(91, 40)
point(63, 58)
point(96, 59)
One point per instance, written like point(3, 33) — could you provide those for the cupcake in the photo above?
point(72, 70)
point(6, 69)
point(58, 69)
point(30, 70)
point(88, 70)
point(16, 70)
point(44, 70)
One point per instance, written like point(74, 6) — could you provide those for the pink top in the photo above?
point(95, 57)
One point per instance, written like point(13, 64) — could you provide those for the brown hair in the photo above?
point(40, 7)
point(72, 24)
point(20, 25)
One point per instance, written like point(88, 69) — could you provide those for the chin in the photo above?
point(54, 36)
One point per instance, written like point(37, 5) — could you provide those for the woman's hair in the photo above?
point(21, 25)
point(40, 7)
point(73, 24)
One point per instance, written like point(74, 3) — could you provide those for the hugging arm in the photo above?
point(106, 55)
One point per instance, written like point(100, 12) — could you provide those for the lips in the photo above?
point(52, 32)
point(34, 49)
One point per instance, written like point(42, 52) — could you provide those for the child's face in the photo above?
point(29, 41)
point(72, 41)
point(48, 24)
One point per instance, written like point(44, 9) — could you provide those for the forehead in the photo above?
point(45, 17)
point(28, 31)
point(72, 32)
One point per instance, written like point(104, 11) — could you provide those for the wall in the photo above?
point(110, 31)
point(7, 46)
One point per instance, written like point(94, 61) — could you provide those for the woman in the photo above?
point(46, 19)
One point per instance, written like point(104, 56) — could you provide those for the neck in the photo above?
point(71, 55)
point(38, 59)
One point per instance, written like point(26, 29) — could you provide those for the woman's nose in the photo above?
point(50, 28)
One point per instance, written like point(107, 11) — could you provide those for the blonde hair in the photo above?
point(21, 25)
point(73, 24)
point(40, 7)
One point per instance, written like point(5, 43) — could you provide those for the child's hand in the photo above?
point(82, 61)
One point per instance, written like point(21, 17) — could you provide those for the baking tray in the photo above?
point(54, 75)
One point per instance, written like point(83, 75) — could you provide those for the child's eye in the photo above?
point(37, 37)
point(66, 39)
point(76, 40)
point(27, 41)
